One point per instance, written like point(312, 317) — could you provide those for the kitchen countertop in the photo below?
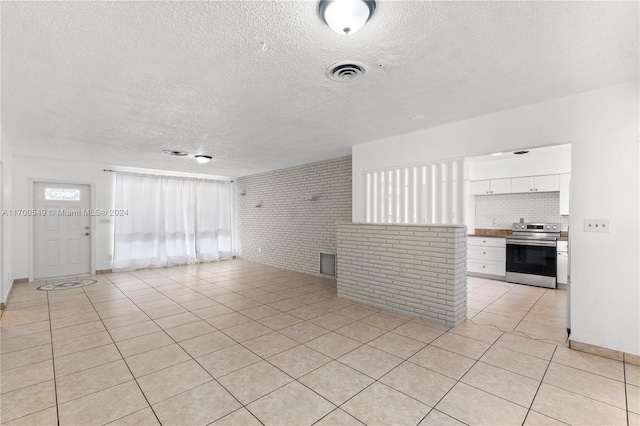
point(491, 233)
point(503, 233)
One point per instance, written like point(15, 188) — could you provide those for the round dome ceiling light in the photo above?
point(175, 153)
point(203, 159)
point(346, 16)
point(347, 71)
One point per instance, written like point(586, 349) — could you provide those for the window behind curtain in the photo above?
point(172, 221)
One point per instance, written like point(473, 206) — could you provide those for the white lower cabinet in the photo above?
point(486, 256)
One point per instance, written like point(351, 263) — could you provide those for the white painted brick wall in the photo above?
point(291, 229)
point(413, 269)
point(506, 209)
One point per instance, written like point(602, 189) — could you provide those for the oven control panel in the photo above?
point(536, 227)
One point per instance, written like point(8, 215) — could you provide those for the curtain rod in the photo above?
point(152, 174)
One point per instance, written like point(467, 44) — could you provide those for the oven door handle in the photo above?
point(532, 243)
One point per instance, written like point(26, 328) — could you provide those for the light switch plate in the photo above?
point(596, 225)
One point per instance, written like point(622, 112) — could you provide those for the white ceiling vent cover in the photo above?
point(328, 264)
point(348, 71)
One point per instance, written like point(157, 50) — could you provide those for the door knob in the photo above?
point(87, 233)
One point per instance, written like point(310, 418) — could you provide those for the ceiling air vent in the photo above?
point(344, 72)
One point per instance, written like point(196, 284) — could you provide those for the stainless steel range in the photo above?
point(531, 254)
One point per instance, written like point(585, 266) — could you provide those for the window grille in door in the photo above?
point(423, 194)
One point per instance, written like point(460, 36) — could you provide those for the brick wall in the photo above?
point(290, 227)
point(414, 269)
point(504, 209)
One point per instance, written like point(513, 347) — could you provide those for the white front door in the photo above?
point(62, 230)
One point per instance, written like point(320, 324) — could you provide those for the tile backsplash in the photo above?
point(500, 211)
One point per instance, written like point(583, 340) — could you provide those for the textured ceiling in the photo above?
point(244, 81)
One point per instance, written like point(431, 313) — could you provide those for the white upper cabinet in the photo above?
point(545, 183)
point(542, 183)
point(523, 184)
point(494, 186)
point(500, 186)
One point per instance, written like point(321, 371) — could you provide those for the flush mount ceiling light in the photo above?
point(495, 154)
point(202, 159)
point(175, 153)
point(346, 16)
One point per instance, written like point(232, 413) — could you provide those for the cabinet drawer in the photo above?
point(487, 253)
point(487, 242)
point(487, 267)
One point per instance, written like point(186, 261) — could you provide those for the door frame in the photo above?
point(31, 234)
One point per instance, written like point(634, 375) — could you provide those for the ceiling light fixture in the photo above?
point(175, 153)
point(203, 159)
point(496, 153)
point(346, 16)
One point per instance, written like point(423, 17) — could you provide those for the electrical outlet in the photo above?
point(596, 225)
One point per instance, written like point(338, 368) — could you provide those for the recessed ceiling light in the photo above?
point(416, 118)
point(203, 159)
point(175, 153)
point(497, 153)
point(520, 152)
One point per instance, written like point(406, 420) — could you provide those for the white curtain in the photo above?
point(172, 221)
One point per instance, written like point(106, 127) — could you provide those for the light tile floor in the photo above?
point(237, 343)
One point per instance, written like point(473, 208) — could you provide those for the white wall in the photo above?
point(602, 127)
point(6, 275)
point(548, 161)
point(60, 171)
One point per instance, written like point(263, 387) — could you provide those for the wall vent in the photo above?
point(328, 264)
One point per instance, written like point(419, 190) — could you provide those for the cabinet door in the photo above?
point(565, 184)
point(547, 183)
point(523, 184)
point(501, 186)
point(480, 187)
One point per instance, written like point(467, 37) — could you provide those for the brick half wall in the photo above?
point(414, 269)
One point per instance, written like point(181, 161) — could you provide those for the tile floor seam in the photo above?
point(332, 411)
point(539, 386)
point(626, 395)
point(126, 364)
point(459, 380)
point(591, 372)
point(30, 384)
point(585, 396)
point(53, 365)
point(201, 366)
point(524, 316)
point(503, 369)
point(401, 391)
